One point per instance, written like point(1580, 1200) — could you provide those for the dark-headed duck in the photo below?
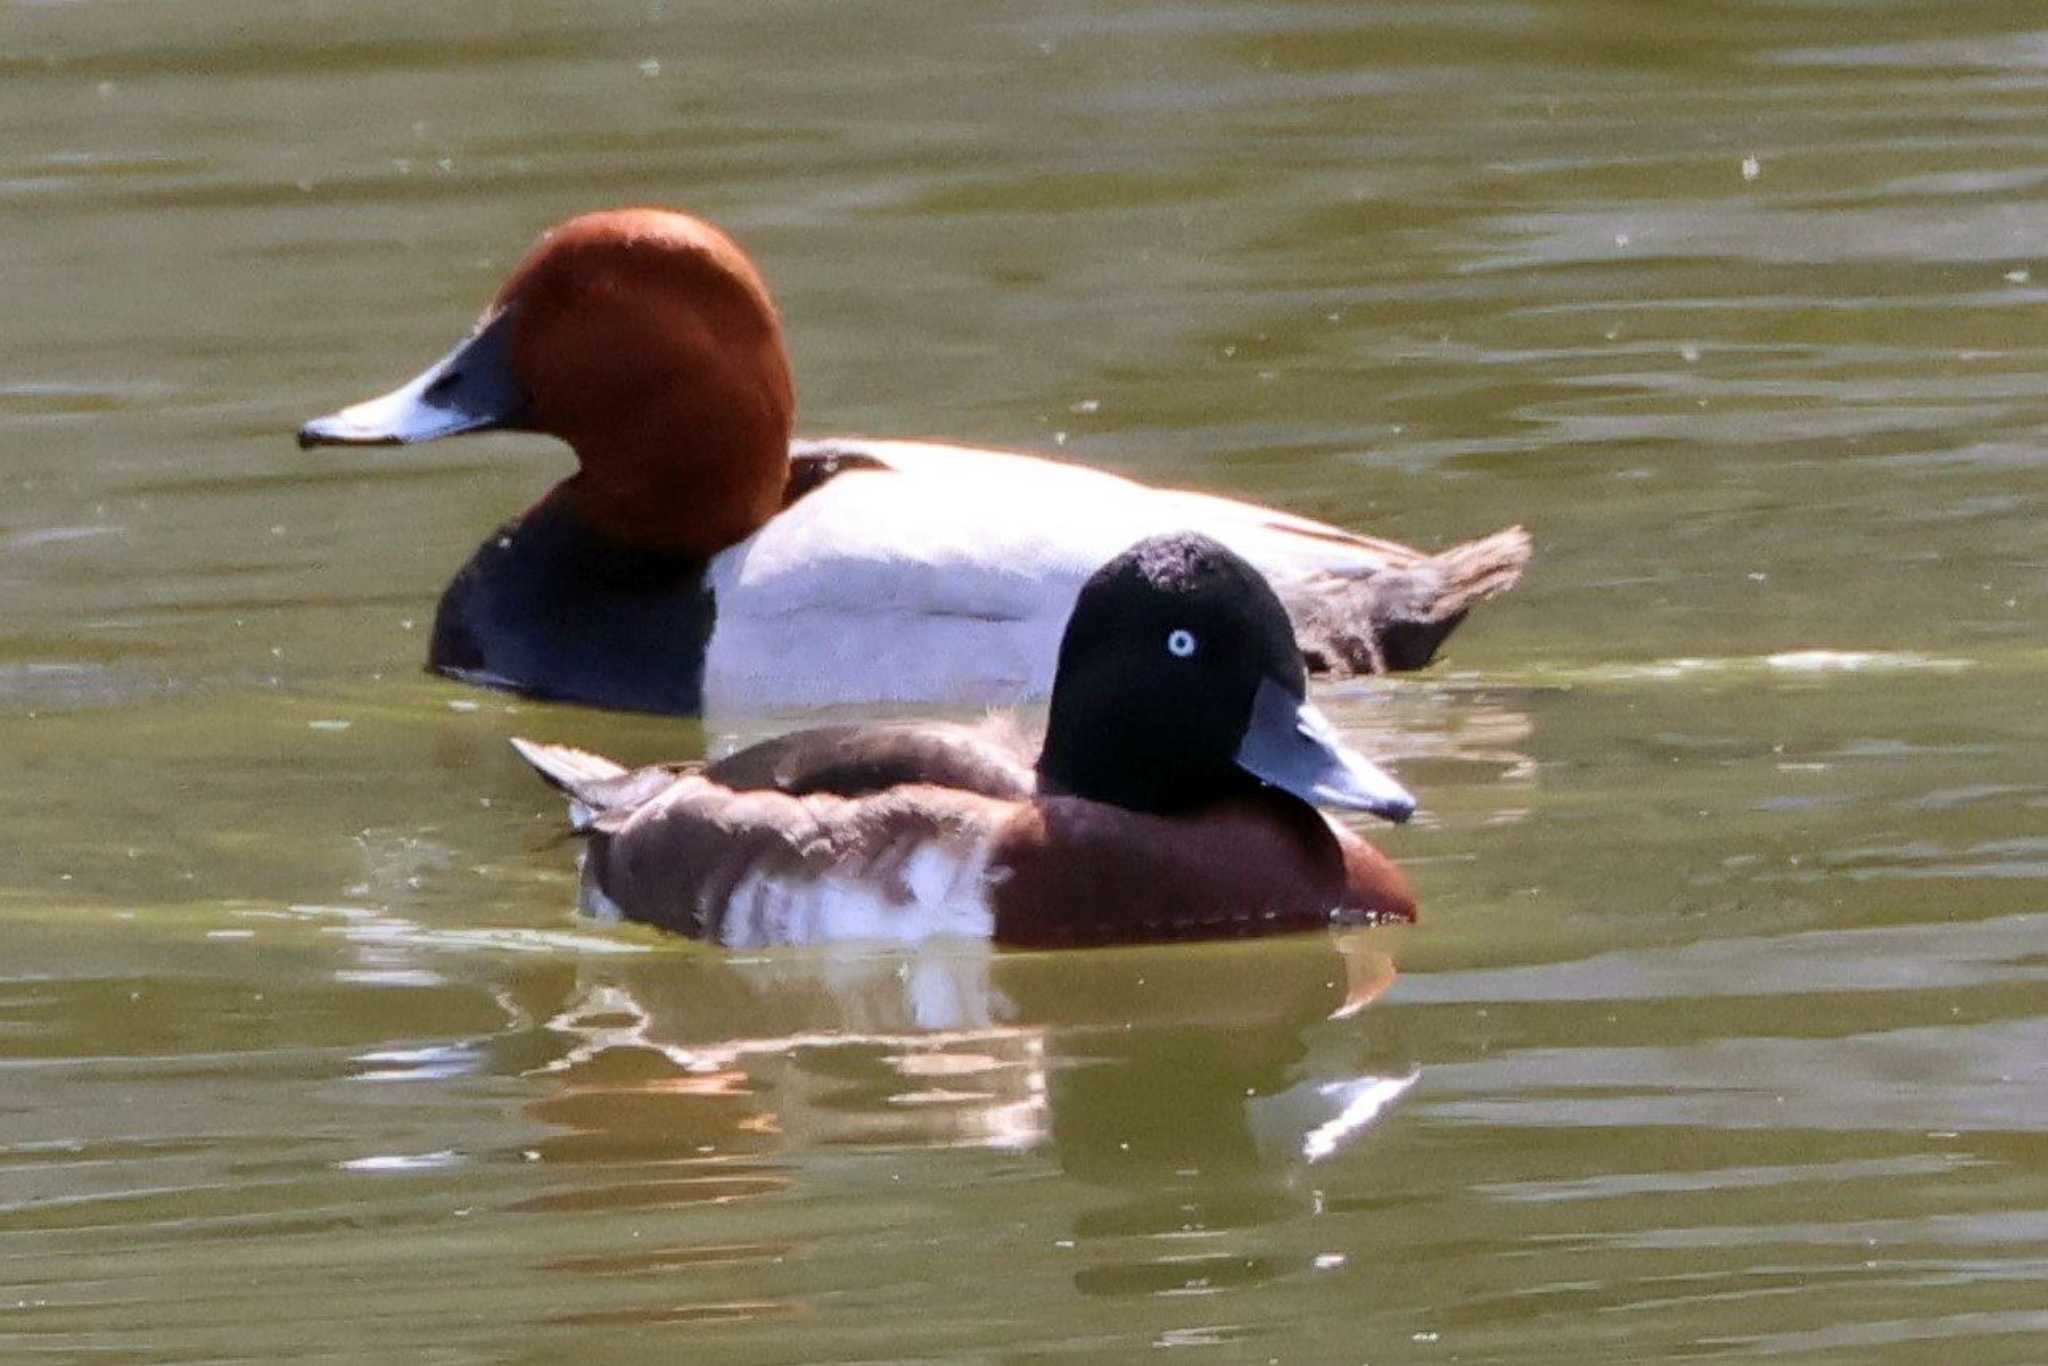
point(1174, 798)
point(701, 561)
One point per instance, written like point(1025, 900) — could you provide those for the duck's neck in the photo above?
point(560, 529)
point(1108, 777)
point(686, 505)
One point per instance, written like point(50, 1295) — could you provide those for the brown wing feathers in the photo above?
point(852, 760)
point(1395, 620)
point(684, 860)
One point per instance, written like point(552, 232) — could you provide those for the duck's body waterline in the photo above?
point(757, 869)
point(701, 561)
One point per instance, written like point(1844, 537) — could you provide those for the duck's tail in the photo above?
point(1395, 619)
point(594, 785)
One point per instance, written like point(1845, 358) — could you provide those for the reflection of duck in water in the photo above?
point(1174, 798)
point(754, 1114)
point(1225, 1057)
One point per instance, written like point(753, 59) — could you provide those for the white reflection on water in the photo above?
point(437, 1062)
point(2022, 51)
point(1813, 661)
point(1358, 1104)
point(1613, 1185)
point(403, 1162)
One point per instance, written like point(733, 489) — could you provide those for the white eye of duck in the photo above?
point(1180, 643)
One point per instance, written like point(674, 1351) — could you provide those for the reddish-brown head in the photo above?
point(646, 340)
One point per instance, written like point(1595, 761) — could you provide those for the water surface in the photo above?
point(1722, 1032)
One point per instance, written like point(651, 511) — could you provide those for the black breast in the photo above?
point(547, 608)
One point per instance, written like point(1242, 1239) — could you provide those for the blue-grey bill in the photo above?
point(469, 389)
point(1291, 745)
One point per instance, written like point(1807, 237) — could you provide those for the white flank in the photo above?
point(948, 579)
point(943, 886)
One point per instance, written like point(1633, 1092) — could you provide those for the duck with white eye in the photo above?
point(1173, 798)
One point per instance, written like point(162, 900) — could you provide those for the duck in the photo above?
point(704, 561)
point(1176, 795)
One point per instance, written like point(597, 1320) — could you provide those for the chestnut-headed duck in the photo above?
point(1174, 797)
point(700, 560)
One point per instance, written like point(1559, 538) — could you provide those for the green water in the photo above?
point(1722, 1033)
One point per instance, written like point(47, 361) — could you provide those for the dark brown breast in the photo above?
point(1080, 872)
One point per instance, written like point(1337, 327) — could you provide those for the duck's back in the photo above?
point(945, 574)
point(852, 761)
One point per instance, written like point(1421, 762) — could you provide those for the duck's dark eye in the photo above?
point(1180, 643)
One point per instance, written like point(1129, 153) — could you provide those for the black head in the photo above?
point(1179, 683)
